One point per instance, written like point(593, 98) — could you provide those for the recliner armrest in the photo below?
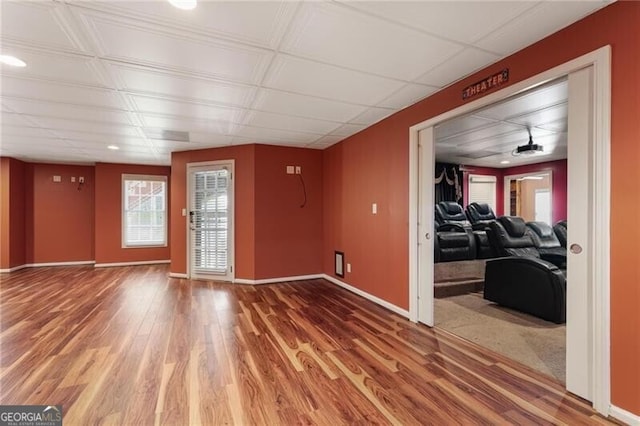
point(451, 227)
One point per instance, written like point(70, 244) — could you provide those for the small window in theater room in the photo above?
point(144, 211)
point(482, 189)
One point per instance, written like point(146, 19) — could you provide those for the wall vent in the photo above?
point(167, 135)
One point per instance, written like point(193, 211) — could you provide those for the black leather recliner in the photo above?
point(560, 230)
point(480, 215)
point(454, 239)
point(521, 280)
point(547, 243)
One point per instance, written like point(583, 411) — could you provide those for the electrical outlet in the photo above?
point(348, 267)
point(81, 179)
point(290, 170)
point(298, 170)
point(73, 178)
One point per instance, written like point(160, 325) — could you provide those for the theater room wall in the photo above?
point(12, 219)
point(372, 166)
point(108, 215)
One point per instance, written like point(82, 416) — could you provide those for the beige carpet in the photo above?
point(531, 341)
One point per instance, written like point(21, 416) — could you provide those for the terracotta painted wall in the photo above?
point(59, 216)
point(288, 238)
point(244, 205)
point(12, 209)
point(373, 166)
point(274, 237)
point(108, 214)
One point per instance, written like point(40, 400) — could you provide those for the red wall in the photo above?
point(12, 209)
point(59, 216)
point(288, 237)
point(108, 215)
point(274, 237)
point(376, 161)
point(559, 184)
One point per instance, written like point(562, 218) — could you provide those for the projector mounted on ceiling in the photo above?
point(529, 148)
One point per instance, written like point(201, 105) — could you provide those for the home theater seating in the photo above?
point(521, 279)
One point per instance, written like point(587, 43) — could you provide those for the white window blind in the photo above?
point(482, 189)
point(210, 221)
point(144, 210)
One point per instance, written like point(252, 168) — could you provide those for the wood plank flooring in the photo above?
point(130, 346)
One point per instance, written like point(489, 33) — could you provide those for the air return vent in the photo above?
point(167, 135)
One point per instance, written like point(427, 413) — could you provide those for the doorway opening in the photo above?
point(210, 222)
point(587, 351)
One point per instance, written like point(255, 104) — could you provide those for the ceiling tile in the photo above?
point(329, 82)
point(145, 80)
point(192, 110)
point(455, 20)
point(61, 124)
point(408, 95)
point(36, 23)
point(553, 94)
point(15, 119)
point(348, 130)
point(120, 40)
point(256, 22)
point(305, 106)
point(185, 124)
point(372, 115)
point(340, 36)
point(35, 89)
point(55, 66)
point(58, 110)
point(18, 132)
point(542, 116)
point(457, 67)
point(258, 134)
point(289, 122)
point(326, 141)
point(461, 125)
point(539, 22)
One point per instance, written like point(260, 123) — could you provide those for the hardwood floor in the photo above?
point(130, 346)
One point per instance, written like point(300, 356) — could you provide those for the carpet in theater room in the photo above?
point(533, 342)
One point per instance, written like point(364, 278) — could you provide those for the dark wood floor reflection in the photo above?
point(130, 346)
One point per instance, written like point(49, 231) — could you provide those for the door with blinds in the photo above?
point(210, 221)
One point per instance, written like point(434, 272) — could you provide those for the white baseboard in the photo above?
point(15, 268)
point(40, 265)
point(141, 262)
point(177, 275)
point(398, 310)
point(624, 416)
point(278, 280)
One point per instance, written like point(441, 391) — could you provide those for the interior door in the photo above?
point(211, 222)
point(426, 229)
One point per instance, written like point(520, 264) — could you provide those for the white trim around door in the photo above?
point(599, 234)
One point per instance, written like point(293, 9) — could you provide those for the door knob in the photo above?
point(575, 248)
point(427, 236)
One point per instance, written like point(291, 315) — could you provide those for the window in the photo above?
point(482, 189)
point(144, 210)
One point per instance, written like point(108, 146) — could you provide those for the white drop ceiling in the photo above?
point(489, 136)
point(304, 74)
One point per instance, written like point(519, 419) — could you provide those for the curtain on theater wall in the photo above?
point(448, 181)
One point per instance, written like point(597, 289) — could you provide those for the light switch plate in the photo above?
point(374, 208)
point(290, 170)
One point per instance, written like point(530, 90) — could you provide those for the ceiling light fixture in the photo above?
point(505, 162)
point(114, 147)
point(12, 60)
point(184, 4)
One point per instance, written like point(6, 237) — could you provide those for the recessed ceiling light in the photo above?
point(12, 60)
point(114, 147)
point(184, 4)
point(505, 162)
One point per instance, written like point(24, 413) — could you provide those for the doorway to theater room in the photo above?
point(588, 106)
